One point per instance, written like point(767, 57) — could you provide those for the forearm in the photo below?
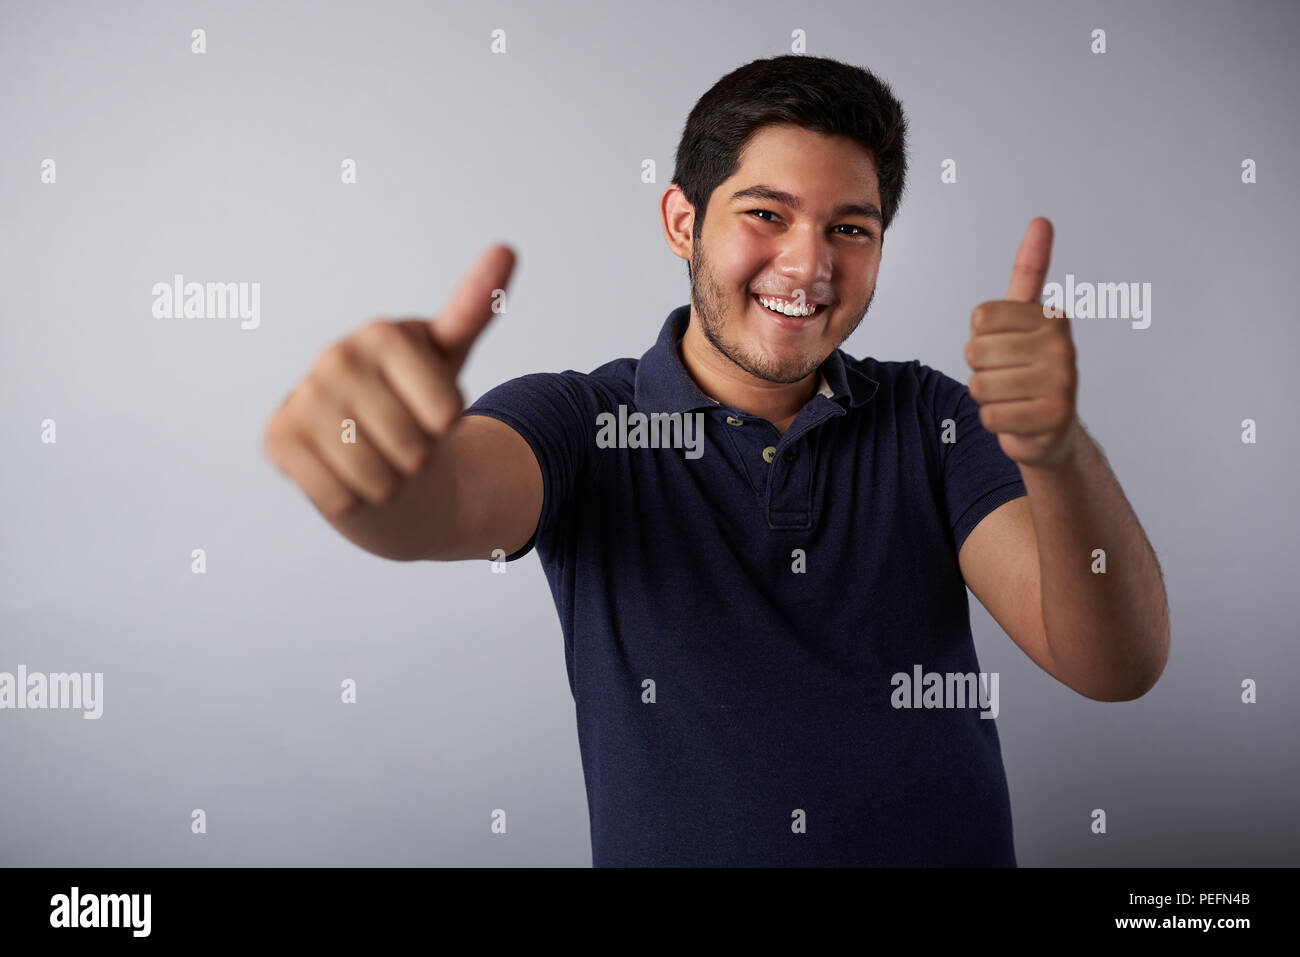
point(1108, 632)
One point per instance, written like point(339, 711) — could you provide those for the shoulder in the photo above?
point(612, 381)
point(615, 379)
point(911, 383)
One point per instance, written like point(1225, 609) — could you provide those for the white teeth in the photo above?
point(788, 308)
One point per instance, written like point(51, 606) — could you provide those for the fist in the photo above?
point(1023, 362)
point(367, 414)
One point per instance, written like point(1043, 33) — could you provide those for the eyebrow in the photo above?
point(770, 193)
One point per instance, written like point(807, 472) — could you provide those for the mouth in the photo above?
point(794, 323)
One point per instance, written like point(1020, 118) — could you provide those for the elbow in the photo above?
point(1134, 680)
point(1132, 688)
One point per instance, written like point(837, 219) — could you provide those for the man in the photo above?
point(759, 546)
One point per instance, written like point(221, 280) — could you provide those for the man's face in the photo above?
point(807, 240)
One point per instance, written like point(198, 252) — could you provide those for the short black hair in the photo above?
point(817, 93)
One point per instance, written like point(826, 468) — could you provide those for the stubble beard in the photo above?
point(710, 306)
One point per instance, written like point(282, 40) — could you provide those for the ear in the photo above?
point(678, 218)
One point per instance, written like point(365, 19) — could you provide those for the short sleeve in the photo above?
point(554, 412)
point(977, 475)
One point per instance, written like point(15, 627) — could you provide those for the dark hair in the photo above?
point(817, 93)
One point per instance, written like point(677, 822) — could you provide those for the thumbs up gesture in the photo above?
point(1023, 362)
point(369, 413)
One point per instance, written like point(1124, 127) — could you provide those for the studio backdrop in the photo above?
point(262, 692)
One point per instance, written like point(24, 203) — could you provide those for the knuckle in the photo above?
point(271, 434)
point(338, 504)
point(379, 335)
point(272, 448)
point(285, 426)
point(311, 393)
point(336, 360)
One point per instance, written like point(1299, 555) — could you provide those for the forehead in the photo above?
point(824, 168)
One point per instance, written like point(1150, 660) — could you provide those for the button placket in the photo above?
point(789, 491)
point(748, 439)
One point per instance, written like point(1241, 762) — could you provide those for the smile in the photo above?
point(789, 315)
point(787, 307)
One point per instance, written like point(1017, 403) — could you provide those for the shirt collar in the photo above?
point(664, 385)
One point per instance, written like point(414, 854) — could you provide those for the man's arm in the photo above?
point(1030, 563)
point(480, 490)
point(376, 437)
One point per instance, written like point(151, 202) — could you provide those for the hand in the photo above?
point(396, 380)
point(1025, 379)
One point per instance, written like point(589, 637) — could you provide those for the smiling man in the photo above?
point(797, 272)
point(768, 642)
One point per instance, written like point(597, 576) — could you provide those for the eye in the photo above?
point(861, 231)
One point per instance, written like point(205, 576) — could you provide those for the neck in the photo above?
point(721, 379)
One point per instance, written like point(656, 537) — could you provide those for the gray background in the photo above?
point(222, 690)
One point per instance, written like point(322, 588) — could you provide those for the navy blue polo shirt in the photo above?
point(732, 619)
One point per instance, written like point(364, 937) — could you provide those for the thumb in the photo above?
point(1029, 271)
point(469, 309)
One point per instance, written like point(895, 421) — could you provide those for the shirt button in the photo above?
point(732, 420)
point(769, 454)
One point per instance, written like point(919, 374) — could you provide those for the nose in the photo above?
point(807, 262)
